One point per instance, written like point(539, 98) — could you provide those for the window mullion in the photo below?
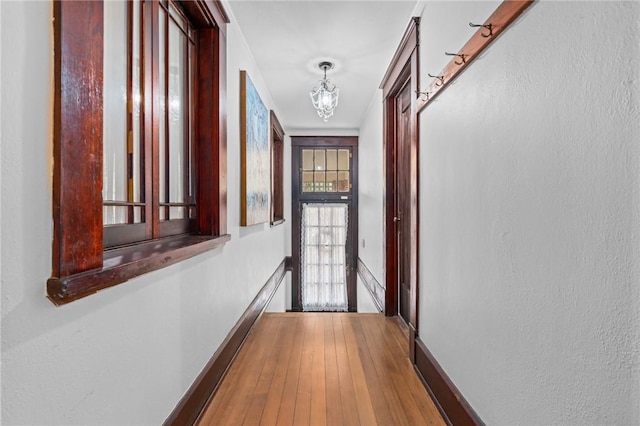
point(130, 139)
point(144, 82)
point(152, 109)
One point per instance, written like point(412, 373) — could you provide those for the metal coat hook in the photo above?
point(460, 55)
point(424, 96)
point(487, 26)
point(440, 78)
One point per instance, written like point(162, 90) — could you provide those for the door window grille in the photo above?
point(326, 170)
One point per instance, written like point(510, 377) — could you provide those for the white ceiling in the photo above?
point(289, 38)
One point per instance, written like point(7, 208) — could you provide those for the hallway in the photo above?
point(131, 273)
point(322, 368)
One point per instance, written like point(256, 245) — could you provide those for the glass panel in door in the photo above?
point(325, 170)
point(323, 257)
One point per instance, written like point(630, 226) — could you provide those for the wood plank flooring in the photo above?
point(322, 369)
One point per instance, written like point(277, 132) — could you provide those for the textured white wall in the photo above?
point(530, 217)
point(281, 300)
point(365, 300)
point(371, 149)
point(127, 354)
point(1, 162)
point(371, 190)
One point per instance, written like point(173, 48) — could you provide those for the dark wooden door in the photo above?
point(402, 219)
point(316, 181)
point(400, 88)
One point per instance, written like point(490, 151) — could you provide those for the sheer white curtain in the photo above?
point(324, 236)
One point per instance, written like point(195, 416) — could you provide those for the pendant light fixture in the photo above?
point(325, 96)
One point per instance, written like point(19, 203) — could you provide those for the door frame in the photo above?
point(404, 67)
point(298, 142)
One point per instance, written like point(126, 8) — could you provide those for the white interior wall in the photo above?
point(1, 163)
point(127, 354)
point(529, 214)
point(371, 190)
point(365, 300)
point(281, 300)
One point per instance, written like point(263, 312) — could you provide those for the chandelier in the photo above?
point(325, 96)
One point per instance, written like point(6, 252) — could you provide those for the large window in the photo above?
point(129, 215)
point(139, 139)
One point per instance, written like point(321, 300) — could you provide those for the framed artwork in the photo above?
point(255, 156)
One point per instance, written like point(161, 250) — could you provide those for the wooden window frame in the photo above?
point(80, 264)
point(277, 171)
point(120, 234)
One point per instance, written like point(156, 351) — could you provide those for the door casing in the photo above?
point(297, 198)
point(403, 69)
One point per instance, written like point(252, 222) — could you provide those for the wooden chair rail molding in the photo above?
point(500, 19)
point(370, 282)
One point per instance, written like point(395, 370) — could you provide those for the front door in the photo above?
point(325, 223)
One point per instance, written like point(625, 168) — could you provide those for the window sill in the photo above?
point(124, 263)
point(277, 222)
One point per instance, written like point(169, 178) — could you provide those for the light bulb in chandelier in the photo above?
point(325, 96)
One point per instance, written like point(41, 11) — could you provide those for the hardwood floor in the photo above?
point(322, 369)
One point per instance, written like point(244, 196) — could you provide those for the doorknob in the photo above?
point(396, 219)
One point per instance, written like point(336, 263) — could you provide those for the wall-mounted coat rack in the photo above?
point(500, 19)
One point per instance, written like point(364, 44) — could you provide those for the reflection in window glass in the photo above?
point(343, 159)
point(307, 159)
point(332, 181)
point(162, 137)
point(121, 114)
point(307, 181)
point(343, 182)
point(191, 185)
point(320, 163)
point(177, 118)
point(176, 57)
point(332, 159)
point(177, 19)
point(319, 182)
